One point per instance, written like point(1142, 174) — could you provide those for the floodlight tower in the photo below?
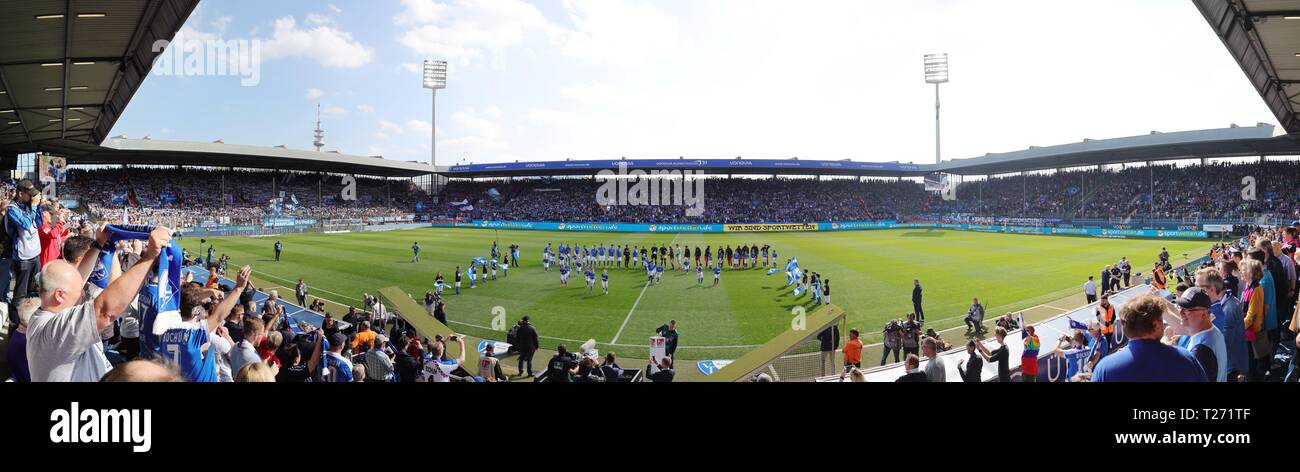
point(936, 72)
point(435, 79)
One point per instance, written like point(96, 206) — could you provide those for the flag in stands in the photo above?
point(1077, 325)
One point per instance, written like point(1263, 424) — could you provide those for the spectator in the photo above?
point(339, 367)
point(935, 370)
point(439, 369)
point(378, 362)
point(1146, 359)
point(406, 365)
point(1206, 342)
point(1000, 355)
point(143, 371)
point(1029, 355)
point(527, 343)
point(358, 373)
point(665, 373)
point(17, 349)
point(1256, 302)
point(364, 336)
point(610, 369)
point(257, 372)
point(63, 341)
point(914, 373)
point(245, 350)
point(971, 368)
point(295, 370)
point(235, 324)
point(22, 224)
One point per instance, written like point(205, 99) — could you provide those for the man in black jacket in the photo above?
point(916, 300)
point(914, 373)
point(830, 341)
point(526, 336)
point(406, 365)
point(665, 373)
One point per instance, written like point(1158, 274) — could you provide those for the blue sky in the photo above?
point(597, 79)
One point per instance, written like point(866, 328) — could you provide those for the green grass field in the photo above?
point(871, 276)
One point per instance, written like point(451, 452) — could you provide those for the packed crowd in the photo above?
point(182, 198)
point(1209, 191)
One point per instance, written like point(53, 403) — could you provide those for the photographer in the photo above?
point(975, 317)
point(562, 366)
point(893, 340)
point(911, 335)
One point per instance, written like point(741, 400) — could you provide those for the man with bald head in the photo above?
point(63, 342)
point(142, 371)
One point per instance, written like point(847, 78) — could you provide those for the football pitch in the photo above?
point(871, 276)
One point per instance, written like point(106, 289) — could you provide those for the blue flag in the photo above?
point(1077, 325)
point(772, 271)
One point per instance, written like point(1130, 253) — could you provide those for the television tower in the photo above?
point(319, 133)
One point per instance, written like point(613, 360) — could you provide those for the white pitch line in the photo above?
point(637, 302)
point(309, 288)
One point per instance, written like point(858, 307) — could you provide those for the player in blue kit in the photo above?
point(659, 273)
point(717, 273)
point(650, 273)
point(591, 279)
point(564, 273)
point(604, 281)
point(699, 276)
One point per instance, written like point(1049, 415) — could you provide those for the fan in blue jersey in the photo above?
point(186, 340)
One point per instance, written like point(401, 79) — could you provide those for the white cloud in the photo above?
point(332, 110)
point(365, 108)
point(222, 23)
point(325, 44)
point(468, 29)
point(315, 93)
point(419, 126)
point(412, 67)
point(386, 126)
point(335, 9)
point(618, 32)
point(166, 131)
point(315, 19)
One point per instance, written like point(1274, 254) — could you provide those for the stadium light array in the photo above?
point(936, 72)
point(435, 79)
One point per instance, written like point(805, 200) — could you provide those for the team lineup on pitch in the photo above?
point(872, 273)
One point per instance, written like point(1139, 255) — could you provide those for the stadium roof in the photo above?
point(1264, 37)
point(69, 68)
point(121, 150)
point(1213, 143)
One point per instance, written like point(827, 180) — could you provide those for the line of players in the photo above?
point(653, 259)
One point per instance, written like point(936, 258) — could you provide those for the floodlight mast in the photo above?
point(936, 72)
point(435, 78)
